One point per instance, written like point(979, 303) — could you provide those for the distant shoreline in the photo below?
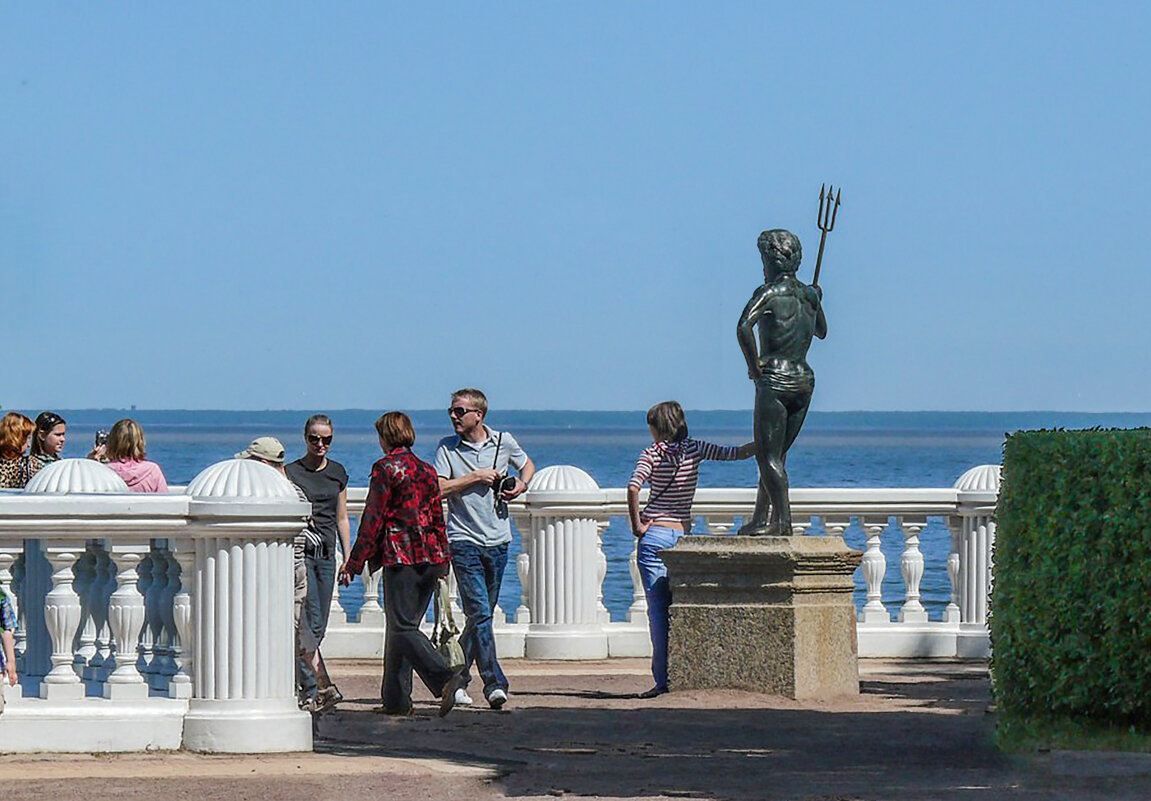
point(738, 419)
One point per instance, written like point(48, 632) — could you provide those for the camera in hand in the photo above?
point(501, 485)
point(101, 438)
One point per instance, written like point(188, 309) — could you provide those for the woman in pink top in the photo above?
point(126, 452)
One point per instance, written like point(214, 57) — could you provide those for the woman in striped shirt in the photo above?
point(671, 468)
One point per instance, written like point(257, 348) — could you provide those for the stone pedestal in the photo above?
point(768, 614)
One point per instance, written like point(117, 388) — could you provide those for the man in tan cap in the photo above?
point(270, 451)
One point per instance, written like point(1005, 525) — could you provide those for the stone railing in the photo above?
point(152, 621)
point(562, 567)
point(165, 621)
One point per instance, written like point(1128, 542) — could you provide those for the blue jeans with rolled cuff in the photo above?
point(653, 574)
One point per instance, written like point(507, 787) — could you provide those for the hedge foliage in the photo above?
point(1071, 604)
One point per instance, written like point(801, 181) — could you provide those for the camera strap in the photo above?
point(496, 458)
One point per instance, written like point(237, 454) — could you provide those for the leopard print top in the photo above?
point(14, 473)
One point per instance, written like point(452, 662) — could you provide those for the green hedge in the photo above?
point(1071, 605)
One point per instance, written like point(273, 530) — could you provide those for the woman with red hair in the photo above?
point(15, 437)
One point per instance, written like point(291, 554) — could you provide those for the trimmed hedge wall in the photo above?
point(1071, 605)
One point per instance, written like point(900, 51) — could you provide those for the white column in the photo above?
point(564, 568)
point(951, 613)
point(62, 617)
point(874, 568)
point(524, 572)
point(978, 493)
point(601, 572)
point(86, 578)
point(911, 568)
point(126, 619)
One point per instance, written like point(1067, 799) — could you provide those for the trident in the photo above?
point(826, 222)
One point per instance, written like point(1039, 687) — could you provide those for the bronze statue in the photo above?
point(789, 313)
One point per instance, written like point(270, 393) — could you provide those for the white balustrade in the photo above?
point(175, 611)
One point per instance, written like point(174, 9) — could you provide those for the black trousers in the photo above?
point(407, 591)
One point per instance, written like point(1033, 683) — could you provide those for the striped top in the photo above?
point(672, 471)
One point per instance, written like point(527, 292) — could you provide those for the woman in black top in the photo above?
point(325, 482)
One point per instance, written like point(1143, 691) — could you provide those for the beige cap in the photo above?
point(269, 449)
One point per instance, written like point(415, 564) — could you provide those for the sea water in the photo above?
point(835, 449)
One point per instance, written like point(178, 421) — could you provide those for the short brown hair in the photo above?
point(475, 396)
point(395, 428)
point(14, 431)
point(668, 421)
point(126, 441)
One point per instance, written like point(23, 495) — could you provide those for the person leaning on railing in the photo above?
point(15, 437)
point(670, 466)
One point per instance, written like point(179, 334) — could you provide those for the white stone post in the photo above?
point(601, 571)
point(564, 567)
point(978, 493)
point(243, 516)
point(62, 617)
point(911, 568)
point(874, 568)
point(86, 577)
point(126, 619)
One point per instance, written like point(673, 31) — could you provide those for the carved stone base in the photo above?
point(767, 614)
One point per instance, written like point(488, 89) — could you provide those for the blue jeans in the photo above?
point(653, 574)
point(479, 573)
point(321, 583)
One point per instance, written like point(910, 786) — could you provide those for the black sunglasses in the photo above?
point(460, 411)
point(316, 439)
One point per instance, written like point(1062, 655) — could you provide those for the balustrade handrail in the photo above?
point(820, 501)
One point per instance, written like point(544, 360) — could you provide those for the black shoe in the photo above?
point(448, 693)
point(652, 693)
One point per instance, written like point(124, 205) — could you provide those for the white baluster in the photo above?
point(184, 557)
point(86, 576)
point(524, 572)
point(167, 636)
point(371, 613)
point(337, 607)
point(102, 589)
point(951, 613)
point(911, 568)
point(601, 572)
point(874, 567)
point(144, 646)
point(637, 612)
point(126, 619)
point(62, 618)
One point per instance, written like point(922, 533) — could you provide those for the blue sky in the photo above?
point(368, 205)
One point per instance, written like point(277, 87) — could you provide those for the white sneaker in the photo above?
point(462, 698)
point(497, 699)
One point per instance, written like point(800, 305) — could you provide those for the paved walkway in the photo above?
point(919, 730)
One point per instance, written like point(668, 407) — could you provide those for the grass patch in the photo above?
point(1026, 735)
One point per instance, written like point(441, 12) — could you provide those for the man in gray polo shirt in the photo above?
point(469, 464)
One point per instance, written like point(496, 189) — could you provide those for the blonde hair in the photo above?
point(475, 396)
point(126, 442)
point(14, 431)
point(668, 422)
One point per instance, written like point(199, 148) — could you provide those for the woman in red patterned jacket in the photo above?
point(402, 529)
